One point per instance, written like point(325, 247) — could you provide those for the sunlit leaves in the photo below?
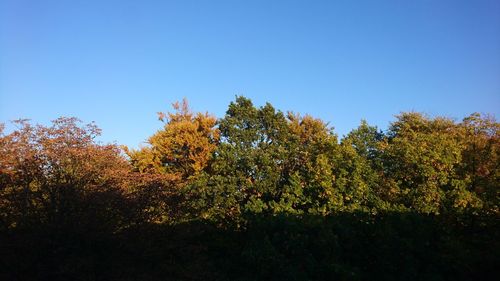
point(46, 172)
point(258, 160)
point(182, 148)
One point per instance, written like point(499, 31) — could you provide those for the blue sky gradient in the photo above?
point(119, 62)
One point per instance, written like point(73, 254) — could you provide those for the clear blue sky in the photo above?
point(119, 62)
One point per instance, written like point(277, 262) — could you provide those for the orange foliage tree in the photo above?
point(49, 174)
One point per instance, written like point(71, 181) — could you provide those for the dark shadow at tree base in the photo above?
point(347, 246)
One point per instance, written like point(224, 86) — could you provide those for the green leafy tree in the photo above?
point(246, 172)
point(359, 169)
point(268, 163)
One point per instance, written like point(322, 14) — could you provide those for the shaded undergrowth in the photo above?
point(346, 246)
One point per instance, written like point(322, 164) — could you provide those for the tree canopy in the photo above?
point(276, 191)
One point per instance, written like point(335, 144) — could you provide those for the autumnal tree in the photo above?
point(312, 147)
point(421, 155)
point(479, 168)
point(182, 149)
point(55, 174)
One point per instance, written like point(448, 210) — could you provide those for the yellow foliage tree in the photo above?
point(183, 148)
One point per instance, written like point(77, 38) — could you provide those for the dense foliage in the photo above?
point(256, 195)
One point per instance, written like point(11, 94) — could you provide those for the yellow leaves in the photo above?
point(308, 129)
point(183, 147)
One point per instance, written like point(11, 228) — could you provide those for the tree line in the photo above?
point(258, 194)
